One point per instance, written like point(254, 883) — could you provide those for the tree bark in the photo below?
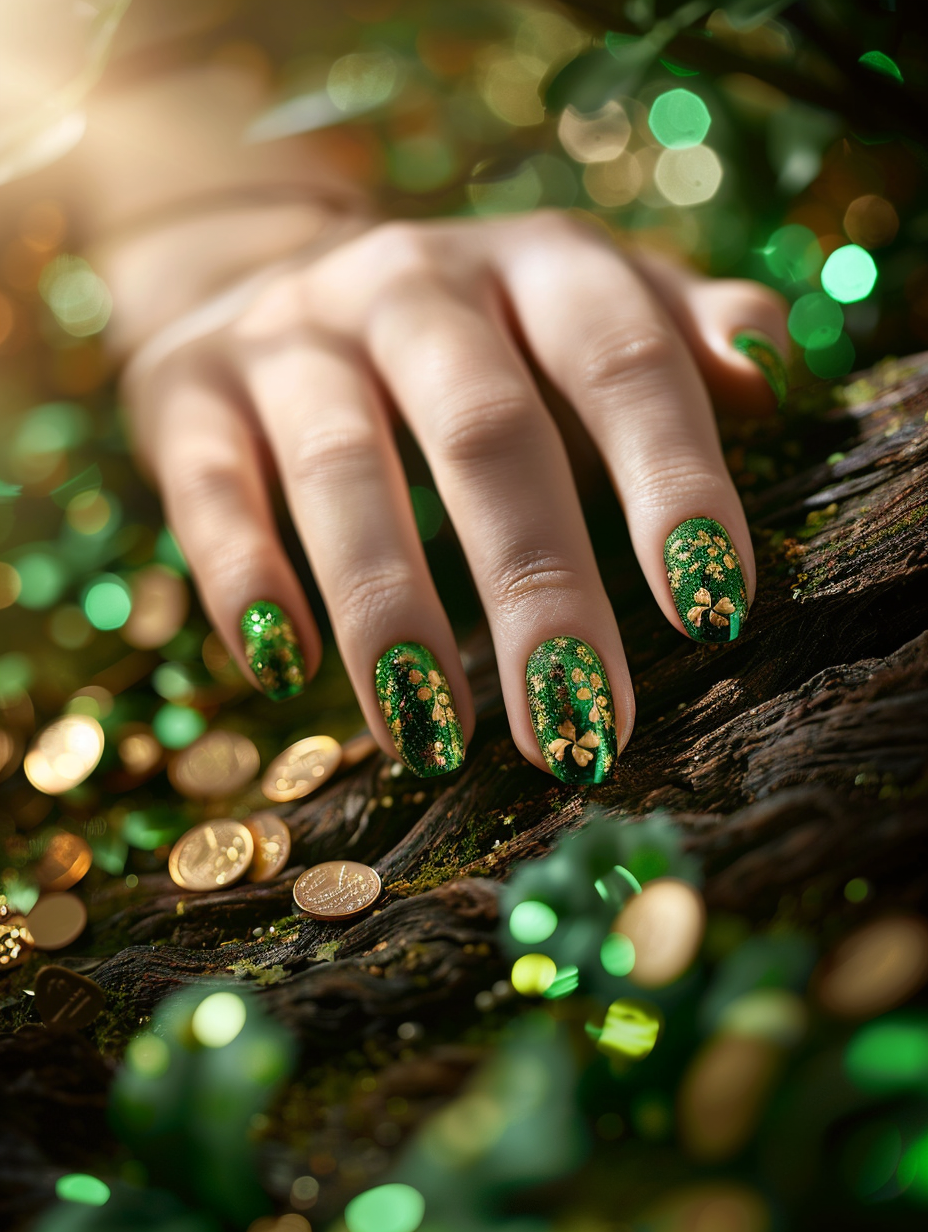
point(793, 759)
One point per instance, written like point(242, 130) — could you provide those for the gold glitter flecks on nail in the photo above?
point(761, 351)
point(571, 707)
point(272, 651)
point(417, 706)
point(706, 581)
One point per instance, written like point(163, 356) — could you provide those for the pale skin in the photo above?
point(349, 321)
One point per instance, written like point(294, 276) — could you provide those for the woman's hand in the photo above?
point(433, 319)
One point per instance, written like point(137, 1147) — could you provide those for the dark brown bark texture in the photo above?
point(793, 759)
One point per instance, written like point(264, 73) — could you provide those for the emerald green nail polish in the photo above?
point(706, 580)
point(571, 707)
point(761, 351)
point(418, 709)
point(272, 651)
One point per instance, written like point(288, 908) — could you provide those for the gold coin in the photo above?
point(336, 890)
point(63, 862)
point(272, 845)
point(665, 923)
point(358, 749)
point(65, 1000)
point(56, 920)
point(64, 753)
point(16, 942)
point(211, 855)
point(217, 765)
point(301, 769)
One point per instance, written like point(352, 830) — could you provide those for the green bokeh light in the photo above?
point(564, 983)
point(857, 889)
point(388, 1208)
point(148, 1055)
point(679, 118)
point(532, 922)
point(793, 253)
point(51, 427)
point(79, 1187)
point(177, 726)
point(849, 274)
point(428, 511)
point(148, 829)
point(889, 1055)
point(43, 577)
point(173, 682)
point(107, 602)
point(881, 63)
point(815, 320)
point(15, 675)
point(617, 954)
point(167, 551)
point(834, 360)
point(912, 1173)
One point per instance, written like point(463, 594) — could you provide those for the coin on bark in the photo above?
point(56, 920)
point(16, 942)
point(219, 764)
point(336, 890)
point(64, 861)
point(212, 855)
point(65, 1000)
point(301, 769)
point(272, 845)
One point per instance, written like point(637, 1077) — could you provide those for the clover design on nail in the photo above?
point(581, 749)
point(432, 686)
point(718, 612)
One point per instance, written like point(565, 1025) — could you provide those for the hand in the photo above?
point(434, 318)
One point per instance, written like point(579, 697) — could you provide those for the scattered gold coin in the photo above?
point(272, 845)
point(211, 855)
point(16, 943)
point(665, 923)
point(301, 769)
point(64, 753)
point(336, 890)
point(358, 749)
point(65, 1000)
point(217, 765)
point(56, 920)
point(65, 860)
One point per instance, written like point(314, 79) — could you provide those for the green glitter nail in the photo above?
point(761, 351)
point(706, 580)
point(272, 651)
point(571, 707)
point(418, 709)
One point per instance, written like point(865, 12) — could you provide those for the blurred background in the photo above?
point(779, 141)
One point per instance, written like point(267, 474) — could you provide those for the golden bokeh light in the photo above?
point(88, 512)
point(871, 221)
point(66, 859)
point(616, 182)
point(875, 969)
point(665, 923)
point(139, 750)
point(160, 602)
point(64, 753)
point(723, 1095)
point(598, 137)
point(688, 176)
point(217, 765)
point(10, 584)
point(509, 88)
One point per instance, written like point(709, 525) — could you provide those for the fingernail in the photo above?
point(571, 707)
point(706, 580)
point(762, 352)
point(272, 651)
point(418, 708)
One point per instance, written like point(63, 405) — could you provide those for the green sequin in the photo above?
point(272, 651)
point(418, 709)
point(571, 707)
point(761, 351)
point(706, 580)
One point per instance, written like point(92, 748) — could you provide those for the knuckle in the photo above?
point(650, 478)
point(486, 427)
point(333, 457)
point(401, 247)
point(616, 356)
point(531, 571)
point(368, 593)
point(206, 484)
